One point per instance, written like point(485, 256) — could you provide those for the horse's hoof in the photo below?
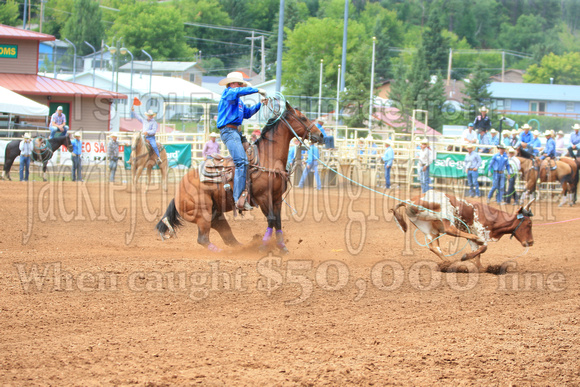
point(213, 248)
point(284, 250)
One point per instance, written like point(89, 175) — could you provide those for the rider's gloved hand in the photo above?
point(263, 93)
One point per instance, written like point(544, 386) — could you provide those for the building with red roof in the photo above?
point(87, 108)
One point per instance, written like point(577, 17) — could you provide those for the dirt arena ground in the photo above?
point(89, 295)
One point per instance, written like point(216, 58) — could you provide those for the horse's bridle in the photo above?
point(521, 217)
point(308, 129)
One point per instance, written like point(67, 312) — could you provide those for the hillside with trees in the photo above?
point(414, 37)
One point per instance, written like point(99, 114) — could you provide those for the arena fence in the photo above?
point(358, 159)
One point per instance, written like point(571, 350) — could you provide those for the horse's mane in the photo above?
point(274, 122)
point(136, 139)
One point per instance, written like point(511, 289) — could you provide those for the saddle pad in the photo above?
point(216, 171)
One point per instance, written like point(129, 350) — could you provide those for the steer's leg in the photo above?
point(451, 230)
point(435, 247)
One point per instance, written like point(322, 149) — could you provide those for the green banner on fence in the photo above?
point(451, 165)
point(178, 156)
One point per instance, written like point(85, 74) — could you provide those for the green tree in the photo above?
point(476, 90)
point(564, 69)
point(207, 40)
point(56, 14)
point(9, 13)
point(84, 25)
point(415, 88)
point(435, 45)
point(357, 94)
point(306, 81)
point(321, 39)
point(155, 29)
point(527, 32)
point(384, 25)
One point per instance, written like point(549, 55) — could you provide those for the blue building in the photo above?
point(534, 98)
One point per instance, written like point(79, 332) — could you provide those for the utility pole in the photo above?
point(41, 14)
point(280, 44)
point(263, 69)
point(252, 52)
point(344, 36)
point(449, 66)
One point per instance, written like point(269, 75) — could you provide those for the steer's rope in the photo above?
point(277, 106)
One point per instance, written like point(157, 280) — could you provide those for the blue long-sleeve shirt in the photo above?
point(292, 153)
point(472, 160)
point(313, 156)
point(526, 137)
point(550, 150)
point(149, 126)
point(77, 146)
point(500, 163)
point(494, 140)
point(507, 141)
point(575, 138)
point(536, 145)
point(389, 156)
point(231, 110)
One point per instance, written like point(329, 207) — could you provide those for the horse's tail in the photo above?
point(399, 217)
point(170, 221)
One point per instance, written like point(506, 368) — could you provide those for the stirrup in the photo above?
point(245, 207)
point(243, 204)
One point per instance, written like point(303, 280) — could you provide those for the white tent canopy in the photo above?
point(13, 103)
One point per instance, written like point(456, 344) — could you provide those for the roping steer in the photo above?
point(436, 214)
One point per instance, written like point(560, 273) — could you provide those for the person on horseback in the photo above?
point(231, 113)
point(149, 129)
point(58, 123)
point(482, 122)
point(550, 150)
point(536, 144)
point(25, 152)
point(575, 142)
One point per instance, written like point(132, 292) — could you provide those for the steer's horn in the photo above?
point(527, 206)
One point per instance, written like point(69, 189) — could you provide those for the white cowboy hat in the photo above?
point(150, 113)
point(536, 132)
point(389, 142)
point(27, 135)
point(526, 126)
point(511, 150)
point(214, 135)
point(483, 109)
point(493, 131)
point(470, 146)
point(561, 133)
point(549, 133)
point(501, 146)
point(515, 131)
point(576, 127)
point(59, 108)
point(236, 76)
point(77, 134)
point(506, 133)
point(424, 141)
point(114, 134)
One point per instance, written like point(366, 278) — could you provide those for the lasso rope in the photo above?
point(278, 97)
point(275, 109)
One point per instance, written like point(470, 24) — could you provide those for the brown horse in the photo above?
point(529, 170)
point(563, 174)
point(141, 158)
point(204, 203)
